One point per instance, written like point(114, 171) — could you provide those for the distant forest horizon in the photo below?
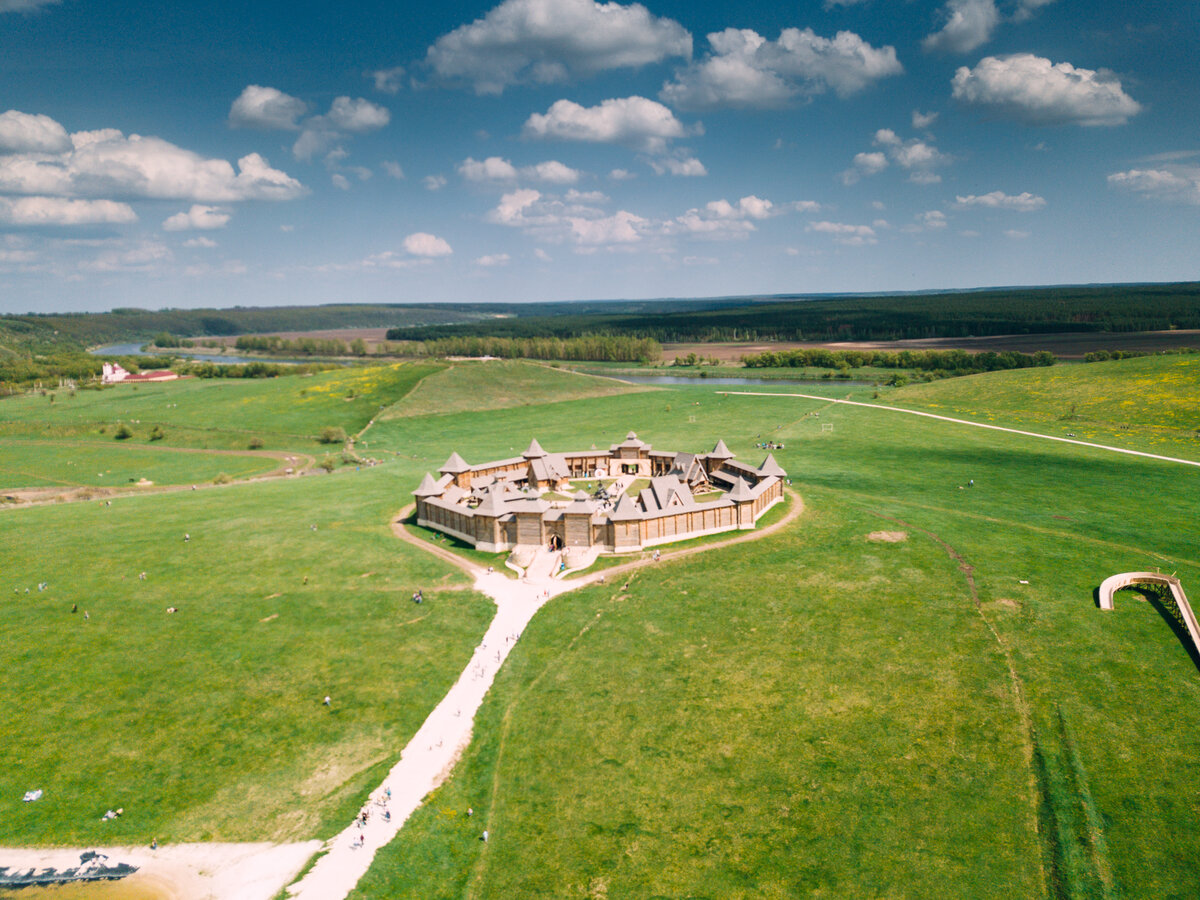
point(977, 312)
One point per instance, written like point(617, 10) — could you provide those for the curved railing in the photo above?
point(1114, 583)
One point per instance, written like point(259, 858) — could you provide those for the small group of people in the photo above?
point(111, 814)
point(770, 445)
point(417, 596)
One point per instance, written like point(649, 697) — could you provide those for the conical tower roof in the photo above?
point(427, 488)
point(741, 491)
point(770, 467)
point(535, 450)
point(490, 507)
point(720, 451)
point(455, 465)
point(625, 509)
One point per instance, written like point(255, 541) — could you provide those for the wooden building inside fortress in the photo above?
point(528, 500)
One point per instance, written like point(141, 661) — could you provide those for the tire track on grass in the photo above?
point(1020, 703)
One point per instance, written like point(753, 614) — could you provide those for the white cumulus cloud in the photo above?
point(918, 157)
point(633, 121)
point(25, 5)
point(25, 133)
point(108, 163)
point(434, 182)
point(491, 169)
point(922, 120)
point(842, 233)
point(621, 227)
point(1026, 9)
point(388, 81)
point(1032, 89)
point(744, 69)
point(969, 24)
point(685, 166)
point(357, 115)
point(346, 115)
point(552, 172)
point(198, 217)
point(493, 259)
point(266, 107)
point(205, 242)
point(548, 41)
point(428, 245)
point(35, 211)
point(1022, 202)
point(498, 169)
point(1173, 184)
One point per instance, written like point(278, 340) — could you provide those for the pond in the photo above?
point(136, 350)
point(760, 382)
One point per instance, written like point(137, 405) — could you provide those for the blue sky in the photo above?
point(199, 153)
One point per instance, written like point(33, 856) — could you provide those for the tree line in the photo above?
point(585, 348)
point(1115, 308)
point(954, 362)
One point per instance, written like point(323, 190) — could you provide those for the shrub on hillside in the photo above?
point(256, 443)
point(157, 434)
point(333, 435)
point(123, 433)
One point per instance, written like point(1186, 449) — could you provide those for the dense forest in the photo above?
point(1118, 308)
point(39, 348)
point(941, 362)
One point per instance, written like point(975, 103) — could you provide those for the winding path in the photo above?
point(433, 751)
point(927, 415)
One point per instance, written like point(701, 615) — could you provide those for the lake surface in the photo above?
point(136, 350)
point(702, 382)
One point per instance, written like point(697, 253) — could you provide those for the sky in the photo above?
point(214, 154)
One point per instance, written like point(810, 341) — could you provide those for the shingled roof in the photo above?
point(770, 467)
point(625, 510)
point(535, 450)
point(741, 491)
point(455, 465)
point(427, 488)
point(720, 451)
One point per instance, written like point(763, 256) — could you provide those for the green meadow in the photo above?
point(821, 712)
point(218, 413)
point(474, 386)
point(824, 714)
point(1148, 403)
point(38, 463)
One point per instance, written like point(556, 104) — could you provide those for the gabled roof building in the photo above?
point(530, 500)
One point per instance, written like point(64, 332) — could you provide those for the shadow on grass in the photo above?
point(1159, 597)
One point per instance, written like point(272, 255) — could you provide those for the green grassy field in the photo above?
point(474, 386)
point(820, 714)
point(34, 463)
point(816, 713)
point(207, 724)
point(1148, 403)
point(284, 412)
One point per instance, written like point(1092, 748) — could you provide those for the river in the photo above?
point(136, 350)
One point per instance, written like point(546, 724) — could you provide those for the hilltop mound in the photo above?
point(1162, 392)
point(499, 384)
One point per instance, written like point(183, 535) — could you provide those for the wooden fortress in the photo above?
point(529, 500)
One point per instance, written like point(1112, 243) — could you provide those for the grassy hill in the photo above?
point(477, 386)
point(1151, 398)
point(286, 412)
point(824, 714)
point(817, 713)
